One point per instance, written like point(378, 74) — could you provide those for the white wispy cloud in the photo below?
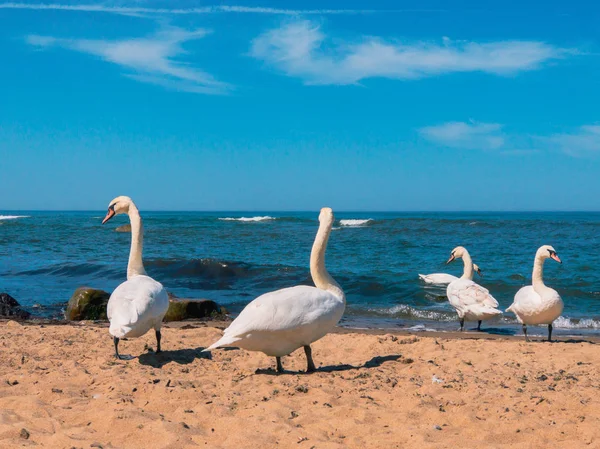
point(149, 59)
point(583, 141)
point(472, 136)
point(298, 49)
point(117, 9)
point(580, 142)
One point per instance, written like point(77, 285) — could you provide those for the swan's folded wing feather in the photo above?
point(282, 310)
point(469, 293)
point(138, 297)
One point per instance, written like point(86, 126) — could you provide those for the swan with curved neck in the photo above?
point(471, 301)
point(140, 303)
point(279, 322)
point(538, 303)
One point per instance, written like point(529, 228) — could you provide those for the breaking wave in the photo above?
point(352, 222)
point(248, 219)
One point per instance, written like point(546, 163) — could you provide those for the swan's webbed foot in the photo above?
point(550, 332)
point(158, 337)
point(279, 365)
point(525, 332)
point(479, 326)
point(116, 341)
point(310, 365)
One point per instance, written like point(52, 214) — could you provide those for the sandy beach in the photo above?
point(61, 387)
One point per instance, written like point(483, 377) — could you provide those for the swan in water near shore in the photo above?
point(536, 303)
point(279, 322)
point(140, 303)
point(443, 278)
point(471, 301)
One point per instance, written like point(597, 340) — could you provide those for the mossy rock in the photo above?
point(123, 228)
point(87, 304)
point(183, 309)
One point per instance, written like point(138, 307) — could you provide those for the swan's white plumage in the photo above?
point(437, 278)
point(538, 303)
point(531, 308)
point(136, 306)
point(471, 301)
point(279, 322)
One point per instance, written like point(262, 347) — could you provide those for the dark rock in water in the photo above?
point(182, 309)
point(10, 307)
point(87, 304)
point(123, 228)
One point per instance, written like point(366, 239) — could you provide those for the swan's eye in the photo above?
point(552, 252)
point(112, 207)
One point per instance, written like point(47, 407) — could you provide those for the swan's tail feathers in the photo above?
point(226, 340)
point(510, 309)
point(422, 276)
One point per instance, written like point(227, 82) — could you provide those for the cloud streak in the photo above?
point(472, 136)
point(216, 9)
point(150, 59)
point(302, 50)
point(583, 141)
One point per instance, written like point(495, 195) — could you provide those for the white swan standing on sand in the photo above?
point(140, 303)
point(471, 301)
point(443, 278)
point(279, 322)
point(536, 303)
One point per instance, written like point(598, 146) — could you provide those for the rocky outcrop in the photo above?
point(87, 304)
point(184, 309)
point(90, 304)
point(10, 307)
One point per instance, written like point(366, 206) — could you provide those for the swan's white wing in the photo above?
point(289, 309)
point(437, 278)
point(136, 305)
point(464, 293)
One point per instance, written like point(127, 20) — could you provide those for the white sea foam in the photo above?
point(248, 219)
point(568, 323)
point(12, 217)
point(406, 310)
point(355, 222)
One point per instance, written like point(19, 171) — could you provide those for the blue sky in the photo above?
point(293, 105)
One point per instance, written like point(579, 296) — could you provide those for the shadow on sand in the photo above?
point(181, 356)
point(373, 363)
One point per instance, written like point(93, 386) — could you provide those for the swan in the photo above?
point(279, 322)
point(536, 303)
point(140, 303)
point(443, 278)
point(471, 301)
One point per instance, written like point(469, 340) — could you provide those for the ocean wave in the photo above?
point(406, 311)
point(248, 219)
point(575, 323)
point(12, 217)
point(354, 222)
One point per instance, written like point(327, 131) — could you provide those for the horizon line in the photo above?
point(379, 211)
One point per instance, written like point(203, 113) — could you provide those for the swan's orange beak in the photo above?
point(451, 259)
point(109, 215)
point(555, 257)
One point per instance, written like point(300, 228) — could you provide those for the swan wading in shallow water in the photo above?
point(140, 303)
point(536, 303)
point(443, 278)
point(279, 322)
point(471, 301)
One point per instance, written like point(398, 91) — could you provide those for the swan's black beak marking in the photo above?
point(109, 214)
point(480, 273)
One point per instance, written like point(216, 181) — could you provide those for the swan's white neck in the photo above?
point(135, 266)
point(468, 272)
point(537, 278)
point(321, 277)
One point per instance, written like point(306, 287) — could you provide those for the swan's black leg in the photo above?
point(479, 325)
point(550, 332)
point(116, 340)
point(279, 365)
point(310, 365)
point(158, 336)
point(525, 332)
point(462, 324)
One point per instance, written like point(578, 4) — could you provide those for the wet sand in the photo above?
point(61, 387)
